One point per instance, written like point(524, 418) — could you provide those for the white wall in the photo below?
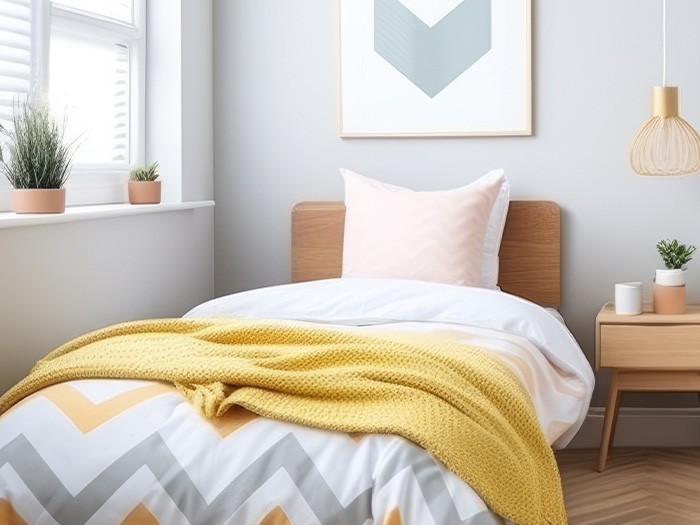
point(594, 64)
point(179, 104)
point(58, 281)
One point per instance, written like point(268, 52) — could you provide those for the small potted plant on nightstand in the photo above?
point(143, 186)
point(37, 160)
point(669, 284)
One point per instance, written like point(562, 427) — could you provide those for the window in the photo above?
point(87, 57)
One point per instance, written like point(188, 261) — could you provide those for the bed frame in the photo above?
point(529, 256)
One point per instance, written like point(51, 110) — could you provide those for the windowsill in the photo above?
point(102, 211)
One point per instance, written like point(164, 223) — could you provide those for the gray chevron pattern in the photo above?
point(286, 454)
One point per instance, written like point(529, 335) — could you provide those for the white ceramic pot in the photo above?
point(670, 277)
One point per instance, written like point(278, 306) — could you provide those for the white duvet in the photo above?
point(116, 451)
point(532, 340)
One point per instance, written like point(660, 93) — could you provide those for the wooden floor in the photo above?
point(659, 486)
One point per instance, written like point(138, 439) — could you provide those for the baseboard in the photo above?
point(643, 427)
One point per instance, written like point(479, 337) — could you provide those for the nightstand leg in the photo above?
point(610, 421)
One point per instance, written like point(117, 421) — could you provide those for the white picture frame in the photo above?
point(434, 68)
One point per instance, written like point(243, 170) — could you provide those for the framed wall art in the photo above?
point(435, 68)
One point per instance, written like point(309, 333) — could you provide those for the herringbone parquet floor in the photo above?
point(654, 486)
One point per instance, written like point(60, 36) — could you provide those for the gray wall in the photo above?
point(594, 63)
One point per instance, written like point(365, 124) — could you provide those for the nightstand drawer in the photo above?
point(659, 347)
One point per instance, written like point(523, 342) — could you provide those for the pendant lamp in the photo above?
point(666, 144)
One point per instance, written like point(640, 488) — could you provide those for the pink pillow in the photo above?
point(394, 232)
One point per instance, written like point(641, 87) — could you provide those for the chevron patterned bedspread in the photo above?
point(135, 451)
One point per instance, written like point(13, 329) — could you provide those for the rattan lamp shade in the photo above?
point(666, 144)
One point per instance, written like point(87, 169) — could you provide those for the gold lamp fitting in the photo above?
point(664, 101)
point(666, 144)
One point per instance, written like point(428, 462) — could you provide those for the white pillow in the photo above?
point(438, 236)
point(494, 234)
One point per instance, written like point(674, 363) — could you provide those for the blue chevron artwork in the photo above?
point(435, 67)
point(432, 57)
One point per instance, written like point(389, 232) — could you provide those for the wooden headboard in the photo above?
point(529, 255)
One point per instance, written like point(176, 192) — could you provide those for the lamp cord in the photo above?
point(663, 32)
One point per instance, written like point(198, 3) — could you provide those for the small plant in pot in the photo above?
point(36, 159)
point(669, 284)
point(144, 188)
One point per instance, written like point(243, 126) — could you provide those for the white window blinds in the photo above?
point(15, 54)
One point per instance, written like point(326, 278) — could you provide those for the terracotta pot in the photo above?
point(144, 192)
point(39, 200)
point(668, 299)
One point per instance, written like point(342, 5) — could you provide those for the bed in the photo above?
point(357, 400)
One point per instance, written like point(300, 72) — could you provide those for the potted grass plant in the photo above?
point(36, 158)
point(144, 188)
point(669, 295)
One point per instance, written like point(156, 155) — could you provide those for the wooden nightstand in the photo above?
point(648, 353)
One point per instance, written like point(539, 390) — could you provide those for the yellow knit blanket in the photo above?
point(464, 406)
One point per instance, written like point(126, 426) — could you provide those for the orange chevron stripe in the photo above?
point(393, 518)
point(87, 415)
point(8, 516)
point(275, 517)
point(140, 516)
point(234, 418)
